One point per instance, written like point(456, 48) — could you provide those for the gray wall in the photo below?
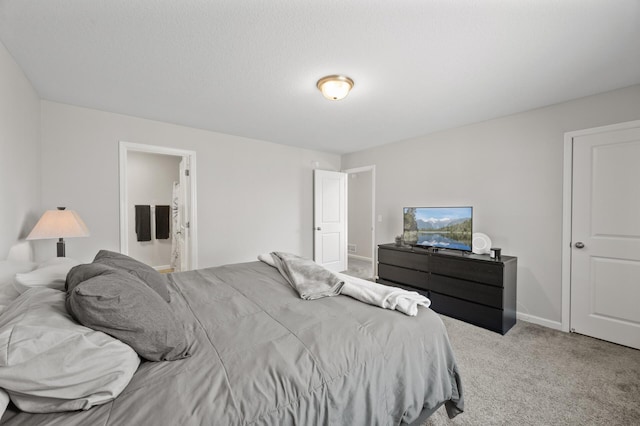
point(510, 170)
point(253, 196)
point(19, 154)
point(360, 213)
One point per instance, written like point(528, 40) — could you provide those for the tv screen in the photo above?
point(441, 227)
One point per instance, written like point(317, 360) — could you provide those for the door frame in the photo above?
point(124, 149)
point(567, 196)
point(374, 252)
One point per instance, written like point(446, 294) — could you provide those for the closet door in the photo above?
point(605, 252)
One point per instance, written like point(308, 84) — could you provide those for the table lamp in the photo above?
point(59, 224)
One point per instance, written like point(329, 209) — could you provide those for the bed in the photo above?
point(260, 355)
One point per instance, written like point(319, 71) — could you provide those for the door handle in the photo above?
point(318, 229)
point(579, 245)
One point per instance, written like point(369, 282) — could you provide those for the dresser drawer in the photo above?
point(403, 276)
point(468, 290)
point(483, 272)
point(480, 315)
point(405, 259)
point(425, 293)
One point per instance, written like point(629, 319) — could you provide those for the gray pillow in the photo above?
point(146, 273)
point(81, 273)
point(121, 305)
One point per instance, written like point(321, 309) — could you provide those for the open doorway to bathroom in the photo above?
point(361, 222)
point(157, 206)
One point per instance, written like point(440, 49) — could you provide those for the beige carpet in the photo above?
point(538, 376)
point(359, 268)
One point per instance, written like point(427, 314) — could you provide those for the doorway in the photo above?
point(361, 248)
point(601, 255)
point(157, 206)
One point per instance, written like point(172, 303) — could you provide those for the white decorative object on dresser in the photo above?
point(481, 243)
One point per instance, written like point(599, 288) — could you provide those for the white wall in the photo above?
point(150, 180)
point(253, 196)
point(19, 154)
point(510, 170)
point(360, 213)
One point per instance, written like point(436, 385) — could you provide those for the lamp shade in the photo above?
point(59, 223)
point(335, 87)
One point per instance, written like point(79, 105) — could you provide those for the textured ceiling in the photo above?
point(249, 68)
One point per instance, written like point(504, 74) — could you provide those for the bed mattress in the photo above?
point(263, 356)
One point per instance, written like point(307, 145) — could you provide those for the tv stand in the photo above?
point(470, 287)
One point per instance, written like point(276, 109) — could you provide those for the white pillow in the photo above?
point(4, 402)
point(21, 251)
point(51, 273)
point(8, 271)
point(50, 363)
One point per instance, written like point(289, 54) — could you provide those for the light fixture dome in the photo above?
point(335, 87)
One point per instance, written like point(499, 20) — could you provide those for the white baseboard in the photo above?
point(366, 259)
point(556, 325)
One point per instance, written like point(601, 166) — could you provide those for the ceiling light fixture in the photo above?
point(335, 87)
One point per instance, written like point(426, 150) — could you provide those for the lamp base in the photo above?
point(60, 247)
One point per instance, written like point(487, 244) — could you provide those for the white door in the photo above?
point(330, 219)
point(605, 251)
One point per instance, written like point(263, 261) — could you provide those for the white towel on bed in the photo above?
point(267, 258)
point(384, 296)
point(380, 295)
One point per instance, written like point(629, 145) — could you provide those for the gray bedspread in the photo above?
point(263, 356)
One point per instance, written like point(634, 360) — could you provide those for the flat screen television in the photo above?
point(440, 227)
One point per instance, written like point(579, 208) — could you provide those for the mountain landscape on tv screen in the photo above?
point(428, 225)
point(438, 227)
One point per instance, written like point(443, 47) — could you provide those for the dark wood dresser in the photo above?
point(470, 287)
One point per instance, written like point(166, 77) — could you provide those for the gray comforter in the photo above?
point(263, 356)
